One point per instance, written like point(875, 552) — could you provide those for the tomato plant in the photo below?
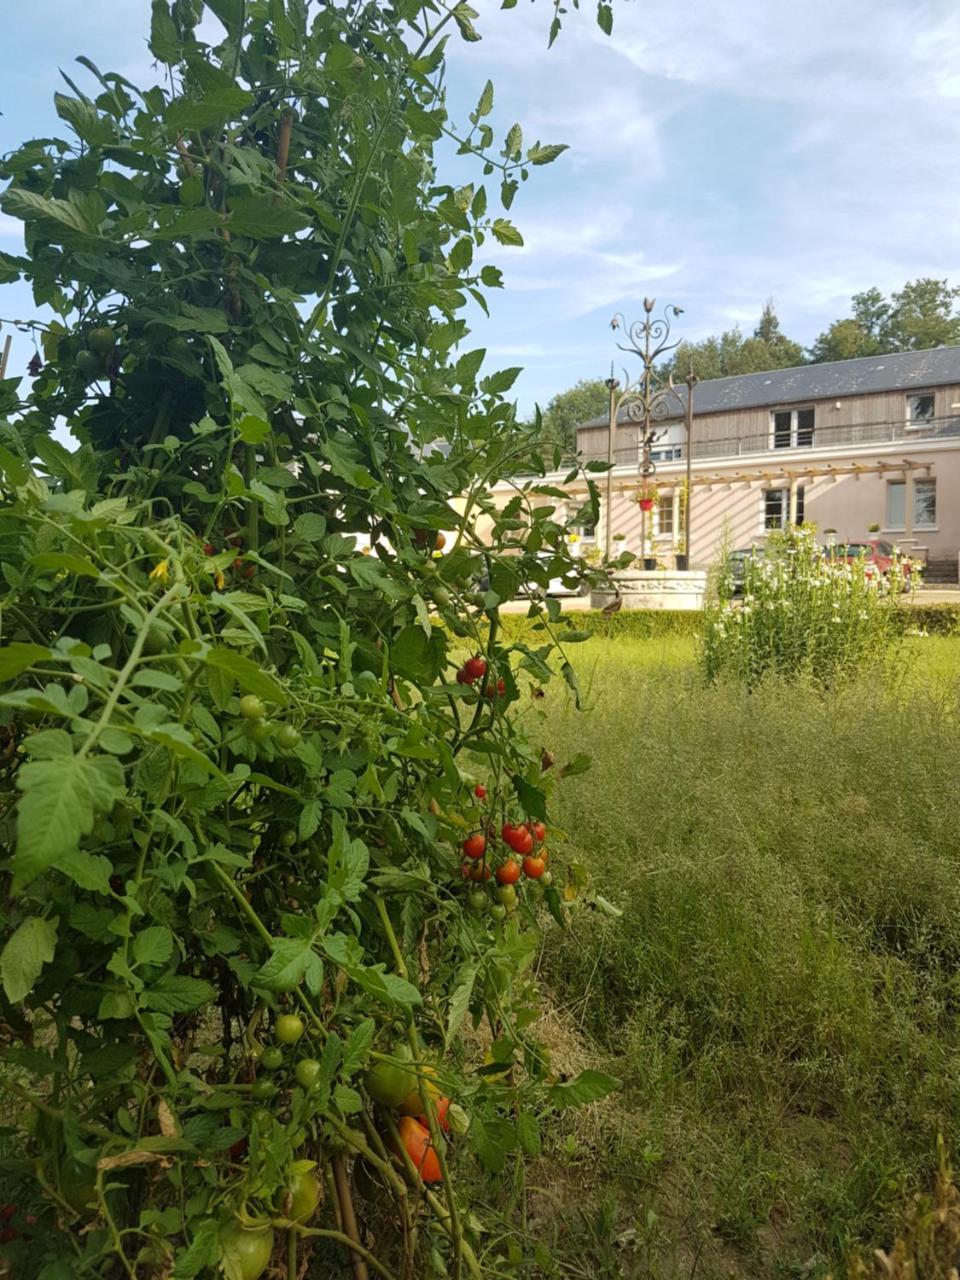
point(236, 761)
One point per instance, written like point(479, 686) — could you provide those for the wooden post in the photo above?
point(908, 502)
point(794, 499)
point(4, 359)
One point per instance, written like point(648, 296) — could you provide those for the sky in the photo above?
point(721, 152)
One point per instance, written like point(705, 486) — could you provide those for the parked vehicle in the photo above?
point(878, 556)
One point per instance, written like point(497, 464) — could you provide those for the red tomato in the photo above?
point(539, 831)
point(490, 691)
point(480, 792)
point(416, 1142)
point(475, 846)
point(209, 549)
point(7, 1212)
point(465, 869)
point(509, 834)
point(443, 1106)
point(533, 868)
point(523, 843)
point(508, 872)
point(476, 668)
point(479, 871)
point(501, 687)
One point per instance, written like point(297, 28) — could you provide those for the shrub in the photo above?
point(803, 612)
point(237, 768)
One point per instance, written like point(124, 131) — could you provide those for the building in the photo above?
point(867, 447)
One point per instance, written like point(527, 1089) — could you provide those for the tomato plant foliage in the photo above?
point(236, 767)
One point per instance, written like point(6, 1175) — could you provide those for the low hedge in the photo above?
point(640, 624)
point(644, 624)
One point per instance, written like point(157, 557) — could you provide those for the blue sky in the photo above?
point(720, 154)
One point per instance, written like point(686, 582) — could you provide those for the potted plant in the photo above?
point(874, 527)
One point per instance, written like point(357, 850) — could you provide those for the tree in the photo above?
point(921, 315)
point(589, 398)
point(246, 705)
point(730, 353)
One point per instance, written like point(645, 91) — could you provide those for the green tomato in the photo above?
point(390, 1082)
point(251, 707)
point(78, 1185)
point(288, 737)
point(366, 682)
point(101, 340)
point(498, 911)
point(258, 730)
point(506, 894)
point(546, 879)
point(245, 1251)
point(271, 1059)
point(304, 1192)
point(288, 1028)
point(89, 364)
point(307, 1072)
point(287, 838)
point(263, 1090)
point(478, 902)
point(441, 597)
point(261, 1118)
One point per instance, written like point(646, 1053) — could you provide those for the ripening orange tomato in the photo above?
point(417, 1144)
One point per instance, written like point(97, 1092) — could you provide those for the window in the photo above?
point(587, 532)
point(921, 410)
point(793, 428)
point(924, 504)
point(670, 453)
point(665, 514)
point(776, 508)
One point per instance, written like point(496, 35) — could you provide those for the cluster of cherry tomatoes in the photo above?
point(526, 841)
point(9, 1213)
point(241, 567)
point(475, 669)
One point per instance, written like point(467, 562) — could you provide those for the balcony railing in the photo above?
point(823, 437)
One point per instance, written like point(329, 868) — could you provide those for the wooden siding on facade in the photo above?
point(752, 427)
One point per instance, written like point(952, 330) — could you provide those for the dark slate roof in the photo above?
point(829, 381)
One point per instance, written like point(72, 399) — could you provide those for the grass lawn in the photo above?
point(781, 994)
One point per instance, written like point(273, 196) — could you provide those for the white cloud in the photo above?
point(10, 228)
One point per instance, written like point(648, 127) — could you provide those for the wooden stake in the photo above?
point(6, 356)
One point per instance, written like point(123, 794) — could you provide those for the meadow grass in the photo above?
point(780, 996)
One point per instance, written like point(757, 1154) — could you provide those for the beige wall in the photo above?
point(847, 504)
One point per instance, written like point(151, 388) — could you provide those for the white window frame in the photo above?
point(920, 424)
point(916, 526)
point(784, 491)
point(794, 427)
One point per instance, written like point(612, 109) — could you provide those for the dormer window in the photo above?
point(921, 409)
point(792, 428)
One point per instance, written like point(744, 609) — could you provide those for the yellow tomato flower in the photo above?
point(160, 571)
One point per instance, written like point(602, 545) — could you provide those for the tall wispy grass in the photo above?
point(781, 994)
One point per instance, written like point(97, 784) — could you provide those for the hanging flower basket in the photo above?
point(646, 504)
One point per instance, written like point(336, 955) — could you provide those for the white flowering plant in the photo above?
point(804, 609)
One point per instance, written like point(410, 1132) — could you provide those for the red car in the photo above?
point(877, 555)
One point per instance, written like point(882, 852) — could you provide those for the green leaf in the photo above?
point(286, 965)
point(460, 999)
point(16, 658)
point(485, 105)
point(202, 1251)
point(30, 947)
point(29, 206)
point(504, 230)
point(532, 799)
point(358, 1046)
point(64, 562)
point(498, 383)
point(164, 41)
point(418, 657)
point(385, 987)
point(605, 16)
point(59, 801)
point(546, 154)
point(90, 871)
point(589, 1086)
point(259, 218)
point(252, 430)
point(248, 674)
point(579, 764)
point(528, 1131)
point(153, 945)
point(178, 994)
